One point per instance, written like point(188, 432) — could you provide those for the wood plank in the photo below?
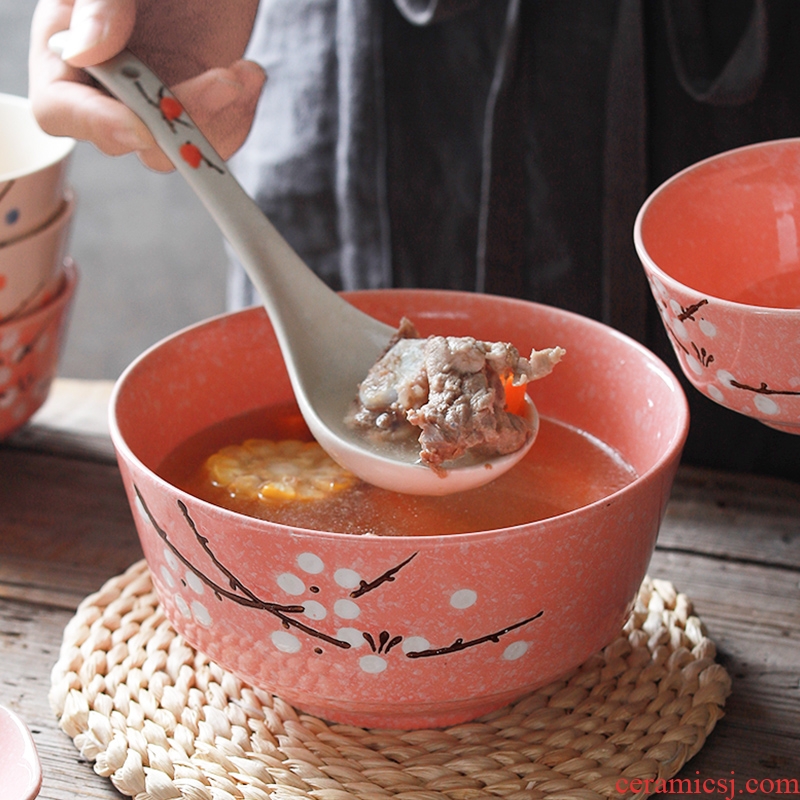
point(749, 753)
point(733, 516)
point(65, 513)
point(72, 421)
point(752, 613)
point(58, 585)
point(30, 638)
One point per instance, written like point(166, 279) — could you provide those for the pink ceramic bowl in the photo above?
point(30, 347)
point(19, 760)
point(399, 631)
point(33, 170)
point(30, 267)
point(719, 244)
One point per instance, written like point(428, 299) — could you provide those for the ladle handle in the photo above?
point(294, 296)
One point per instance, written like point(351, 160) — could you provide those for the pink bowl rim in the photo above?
point(651, 265)
point(673, 446)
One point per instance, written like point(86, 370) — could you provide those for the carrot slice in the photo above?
point(515, 397)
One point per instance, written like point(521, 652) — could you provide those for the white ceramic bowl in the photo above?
point(33, 169)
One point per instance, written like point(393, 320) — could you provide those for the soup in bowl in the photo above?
point(387, 610)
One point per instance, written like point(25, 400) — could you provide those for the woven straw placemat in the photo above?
point(163, 722)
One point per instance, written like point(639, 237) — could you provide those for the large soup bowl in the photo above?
point(401, 632)
point(719, 245)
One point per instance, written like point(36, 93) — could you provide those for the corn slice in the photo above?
point(282, 471)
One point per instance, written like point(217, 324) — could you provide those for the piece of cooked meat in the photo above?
point(449, 391)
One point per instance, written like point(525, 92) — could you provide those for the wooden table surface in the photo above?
point(730, 542)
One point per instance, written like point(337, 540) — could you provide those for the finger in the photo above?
point(44, 67)
point(63, 98)
point(81, 111)
point(98, 30)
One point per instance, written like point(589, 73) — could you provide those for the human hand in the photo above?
point(180, 39)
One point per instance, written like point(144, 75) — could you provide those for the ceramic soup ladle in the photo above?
point(327, 344)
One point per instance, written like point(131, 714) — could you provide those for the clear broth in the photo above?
point(564, 470)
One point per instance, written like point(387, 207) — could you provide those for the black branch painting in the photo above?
point(229, 587)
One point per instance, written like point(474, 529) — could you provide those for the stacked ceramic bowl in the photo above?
point(37, 279)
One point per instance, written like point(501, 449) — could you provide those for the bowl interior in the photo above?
point(607, 385)
point(728, 226)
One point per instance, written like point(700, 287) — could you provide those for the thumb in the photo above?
point(98, 30)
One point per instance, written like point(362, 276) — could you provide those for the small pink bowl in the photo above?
point(30, 267)
point(500, 612)
point(33, 170)
point(720, 247)
point(30, 346)
point(19, 760)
